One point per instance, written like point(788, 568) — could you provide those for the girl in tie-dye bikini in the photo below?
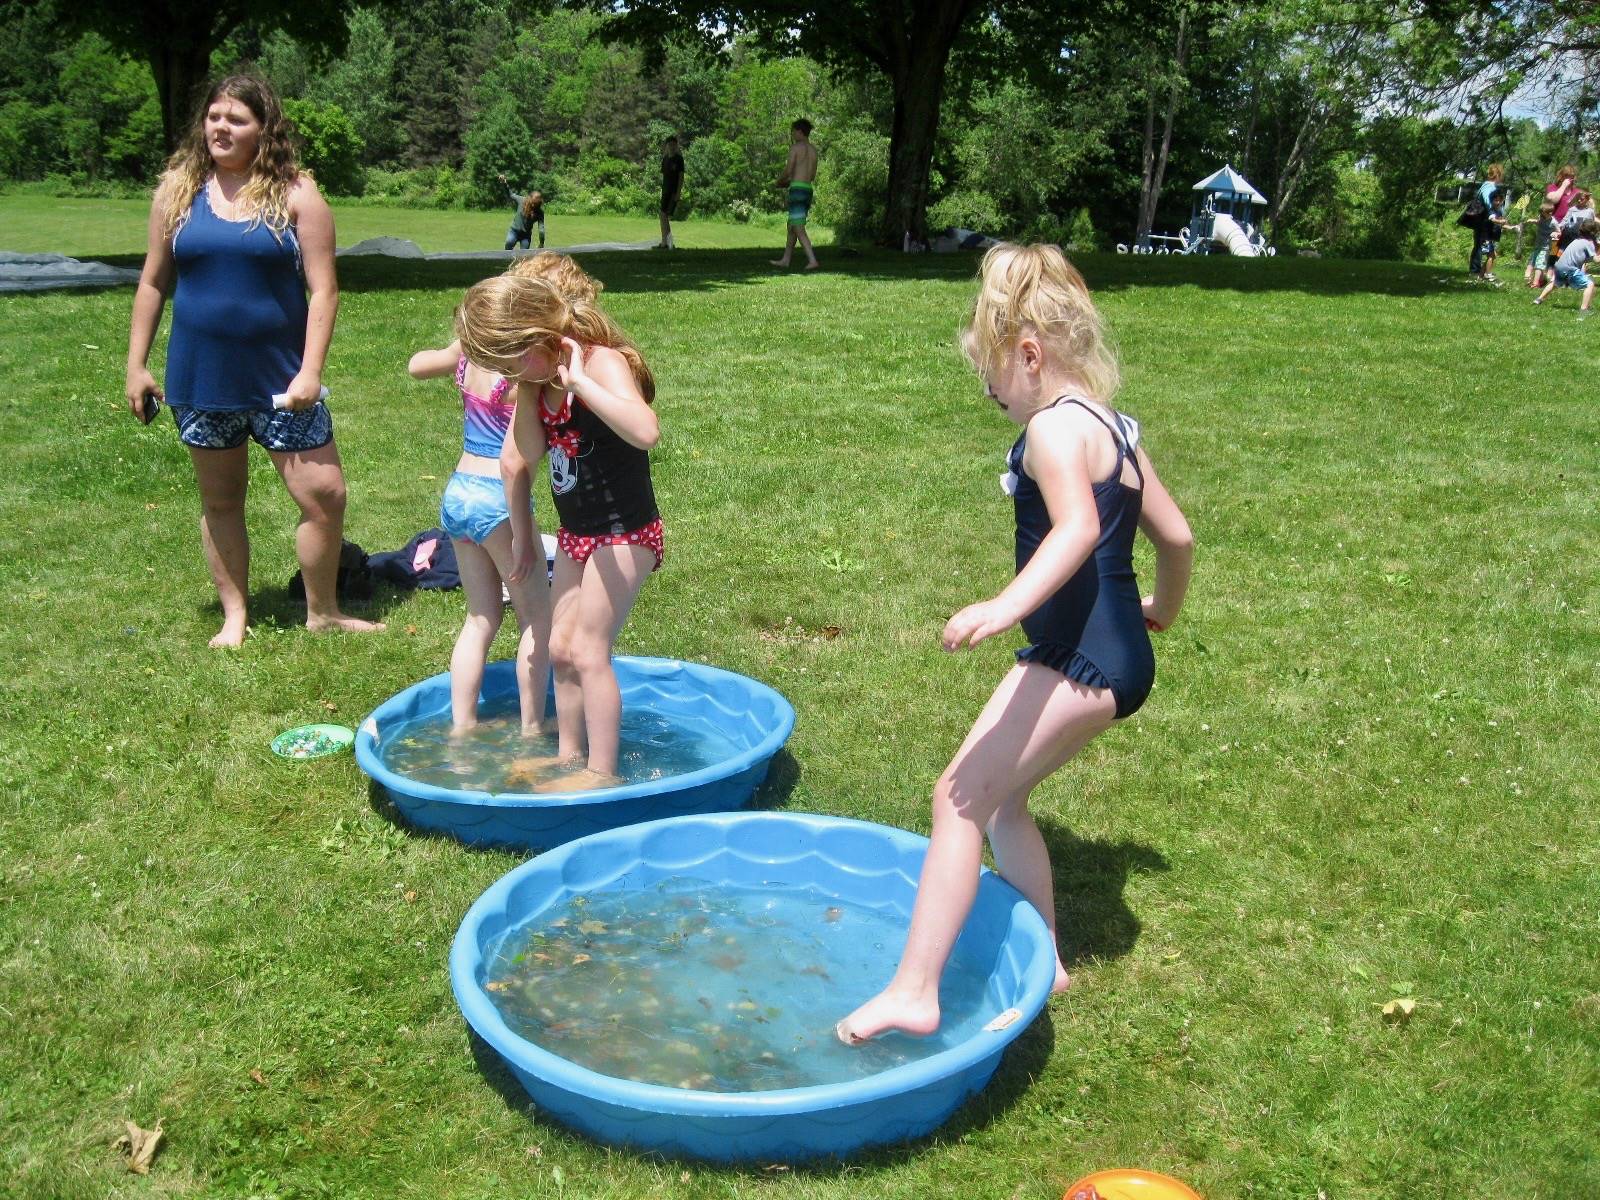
point(583, 396)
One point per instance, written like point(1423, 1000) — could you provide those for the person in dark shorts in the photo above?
point(671, 189)
point(239, 236)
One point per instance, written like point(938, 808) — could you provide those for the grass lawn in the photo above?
point(37, 224)
point(1366, 772)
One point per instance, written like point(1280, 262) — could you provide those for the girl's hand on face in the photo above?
point(570, 370)
point(976, 623)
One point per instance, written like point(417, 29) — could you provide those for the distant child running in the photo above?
point(1081, 485)
point(1569, 267)
point(1543, 236)
point(584, 395)
point(476, 515)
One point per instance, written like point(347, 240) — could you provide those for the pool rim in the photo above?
point(526, 1056)
point(369, 760)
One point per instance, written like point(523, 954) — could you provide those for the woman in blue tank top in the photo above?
point(238, 237)
point(1081, 487)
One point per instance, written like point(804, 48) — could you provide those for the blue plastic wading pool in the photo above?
point(861, 863)
point(750, 715)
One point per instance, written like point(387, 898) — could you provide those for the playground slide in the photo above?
point(1231, 236)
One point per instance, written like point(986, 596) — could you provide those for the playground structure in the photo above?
point(1221, 222)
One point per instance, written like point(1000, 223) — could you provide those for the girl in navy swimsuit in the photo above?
point(1081, 485)
point(584, 396)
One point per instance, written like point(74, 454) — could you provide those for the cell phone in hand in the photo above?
point(149, 407)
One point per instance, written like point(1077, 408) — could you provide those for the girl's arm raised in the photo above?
point(1056, 458)
point(1164, 524)
point(523, 448)
point(434, 364)
point(602, 379)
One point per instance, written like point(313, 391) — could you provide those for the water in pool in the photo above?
point(495, 756)
point(707, 986)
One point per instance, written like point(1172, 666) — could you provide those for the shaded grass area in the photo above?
point(1366, 770)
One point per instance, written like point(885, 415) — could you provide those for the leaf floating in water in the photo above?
point(592, 927)
point(833, 914)
point(814, 969)
point(581, 958)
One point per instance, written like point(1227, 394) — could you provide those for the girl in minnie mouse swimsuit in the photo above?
point(584, 396)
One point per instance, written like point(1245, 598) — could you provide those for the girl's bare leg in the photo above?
point(565, 598)
point(530, 600)
point(222, 476)
point(587, 620)
point(484, 612)
point(1036, 720)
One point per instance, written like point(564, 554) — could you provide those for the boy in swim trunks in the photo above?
point(799, 176)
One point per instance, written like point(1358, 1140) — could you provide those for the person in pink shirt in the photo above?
point(1561, 192)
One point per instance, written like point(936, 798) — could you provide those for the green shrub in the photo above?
point(330, 146)
point(30, 139)
point(966, 209)
point(499, 143)
point(852, 180)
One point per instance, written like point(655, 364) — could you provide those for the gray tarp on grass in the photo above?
point(395, 247)
point(45, 272)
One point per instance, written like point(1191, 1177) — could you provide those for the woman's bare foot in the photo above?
point(887, 1011)
point(339, 621)
point(779, 262)
point(1063, 980)
point(579, 781)
point(813, 265)
point(230, 635)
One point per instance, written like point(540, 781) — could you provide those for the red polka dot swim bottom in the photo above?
point(578, 548)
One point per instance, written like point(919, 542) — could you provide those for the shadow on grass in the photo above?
point(271, 605)
point(1093, 920)
point(625, 272)
point(714, 270)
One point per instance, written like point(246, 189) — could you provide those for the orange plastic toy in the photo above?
point(1129, 1185)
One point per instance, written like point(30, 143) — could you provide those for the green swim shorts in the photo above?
point(799, 202)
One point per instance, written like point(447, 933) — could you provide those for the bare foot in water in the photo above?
point(887, 1011)
point(346, 624)
point(535, 769)
point(231, 635)
point(579, 781)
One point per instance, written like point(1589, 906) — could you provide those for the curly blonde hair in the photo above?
point(1034, 290)
point(503, 318)
point(273, 174)
point(560, 270)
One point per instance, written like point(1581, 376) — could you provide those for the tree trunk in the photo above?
point(1155, 174)
point(1147, 169)
point(180, 69)
point(1289, 179)
point(917, 53)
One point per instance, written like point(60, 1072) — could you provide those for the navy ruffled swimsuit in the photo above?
point(1092, 629)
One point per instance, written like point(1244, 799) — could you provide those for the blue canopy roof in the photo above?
point(1229, 180)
